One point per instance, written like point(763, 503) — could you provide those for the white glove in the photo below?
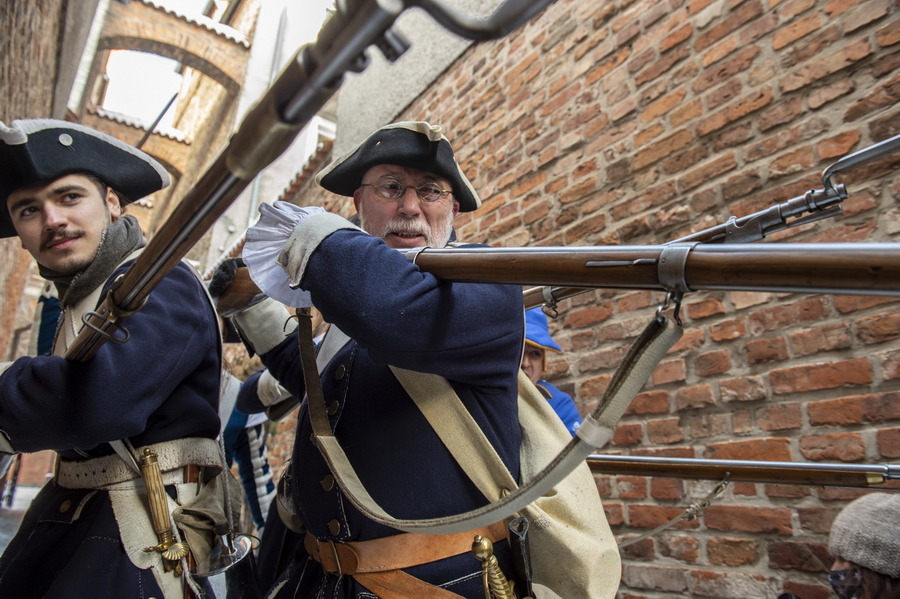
point(265, 241)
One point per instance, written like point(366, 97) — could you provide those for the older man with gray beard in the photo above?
point(407, 189)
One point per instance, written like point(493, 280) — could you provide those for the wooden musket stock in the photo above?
point(777, 473)
point(856, 268)
point(844, 268)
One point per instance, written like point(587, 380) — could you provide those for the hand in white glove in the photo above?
point(265, 241)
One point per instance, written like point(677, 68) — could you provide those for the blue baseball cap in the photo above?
point(537, 332)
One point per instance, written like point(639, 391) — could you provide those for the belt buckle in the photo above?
point(334, 553)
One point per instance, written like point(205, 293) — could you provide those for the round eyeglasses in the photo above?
point(393, 190)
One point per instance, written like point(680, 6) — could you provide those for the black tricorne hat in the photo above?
point(43, 150)
point(413, 144)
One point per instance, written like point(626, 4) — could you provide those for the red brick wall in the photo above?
point(30, 36)
point(632, 122)
point(639, 122)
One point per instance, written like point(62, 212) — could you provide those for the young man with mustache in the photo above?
point(407, 188)
point(64, 188)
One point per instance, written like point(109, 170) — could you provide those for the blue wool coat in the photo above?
point(162, 384)
point(471, 334)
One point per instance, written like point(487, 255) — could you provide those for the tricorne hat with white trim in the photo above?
point(413, 144)
point(43, 150)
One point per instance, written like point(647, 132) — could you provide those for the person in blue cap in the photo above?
point(534, 361)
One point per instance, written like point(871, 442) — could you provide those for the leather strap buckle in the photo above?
point(336, 557)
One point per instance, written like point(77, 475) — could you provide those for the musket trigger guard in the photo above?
point(108, 335)
point(550, 303)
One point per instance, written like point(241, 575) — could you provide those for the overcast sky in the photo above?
point(141, 84)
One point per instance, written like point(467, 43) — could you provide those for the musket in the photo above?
point(304, 86)
point(842, 268)
point(779, 473)
point(839, 268)
point(720, 257)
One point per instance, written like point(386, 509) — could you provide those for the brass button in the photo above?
point(328, 482)
point(334, 527)
point(64, 506)
point(333, 407)
point(339, 372)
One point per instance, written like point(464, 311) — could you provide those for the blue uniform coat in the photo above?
point(472, 334)
point(162, 384)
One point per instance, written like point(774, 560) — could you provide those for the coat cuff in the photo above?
point(264, 325)
point(269, 391)
point(304, 241)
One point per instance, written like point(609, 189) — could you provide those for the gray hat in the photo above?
point(42, 150)
point(867, 532)
point(413, 144)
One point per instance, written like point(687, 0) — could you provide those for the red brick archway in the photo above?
point(211, 48)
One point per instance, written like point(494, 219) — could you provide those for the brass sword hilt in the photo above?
point(171, 551)
point(495, 582)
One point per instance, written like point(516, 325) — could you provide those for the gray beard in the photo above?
point(436, 237)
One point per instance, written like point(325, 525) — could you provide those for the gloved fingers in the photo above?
point(224, 275)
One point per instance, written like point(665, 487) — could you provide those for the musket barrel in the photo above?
point(209, 198)
point(782, 473)
point(862, 268)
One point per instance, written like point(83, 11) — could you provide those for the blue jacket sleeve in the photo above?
point(564, 406)
point(467, 332)
point(247, 399)
point(162, 384)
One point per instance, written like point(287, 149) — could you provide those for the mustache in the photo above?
point(54, 237)
point(409, 225)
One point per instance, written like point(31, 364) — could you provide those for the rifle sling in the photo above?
point(436, 399)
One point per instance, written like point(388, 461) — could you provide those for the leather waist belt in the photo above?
point(95, 473)
point(376, 563)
